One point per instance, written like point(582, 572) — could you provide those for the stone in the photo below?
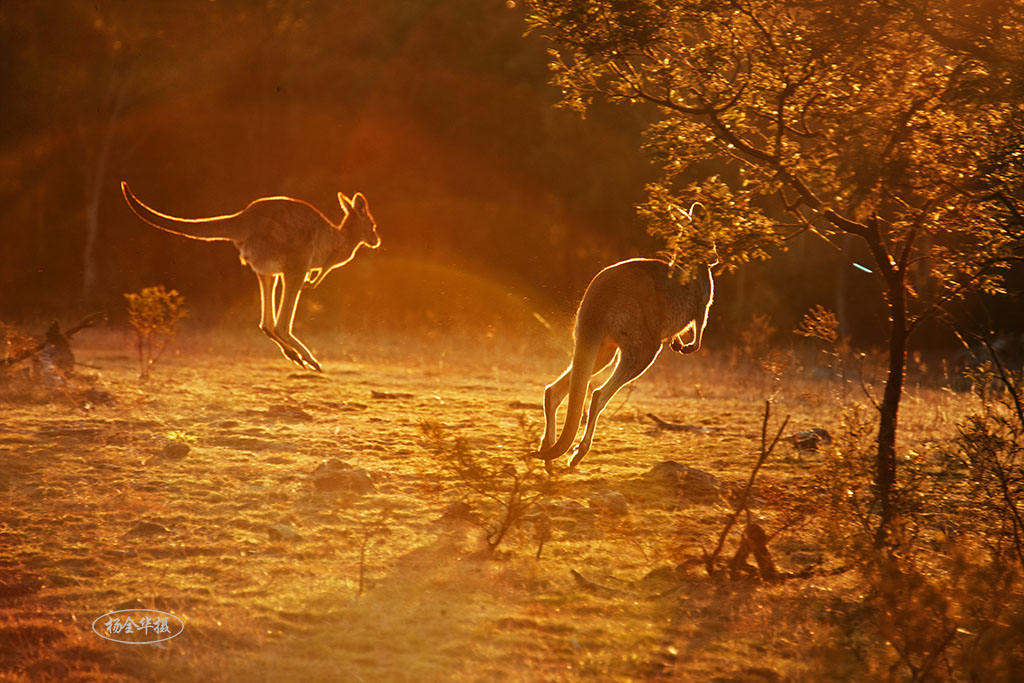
point(810, 440)
point(337, 475)
point(146, 528)
point(611, 502)
point(665, 575)
point(283, 532)
point(175, 450)
point(458, 510)
point(99, 396)
point(687, 483)
point(288, 413)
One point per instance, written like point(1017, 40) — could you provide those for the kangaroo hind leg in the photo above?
point(291, 288)
point(269, 315)
point(633, 361)
point(556, 392)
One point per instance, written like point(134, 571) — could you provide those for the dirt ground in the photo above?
point(196, 493)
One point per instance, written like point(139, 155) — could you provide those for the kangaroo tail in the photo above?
point(215, 228)
point(583, 358)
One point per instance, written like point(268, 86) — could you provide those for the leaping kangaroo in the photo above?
point(283, 240)
point(631, 308)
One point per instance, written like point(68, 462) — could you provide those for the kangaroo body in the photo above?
point(285, 241)
point(629, 309)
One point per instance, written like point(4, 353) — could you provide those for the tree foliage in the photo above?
point(894, 121)
point(901, 118)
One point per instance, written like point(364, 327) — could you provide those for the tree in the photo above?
point(895, 122)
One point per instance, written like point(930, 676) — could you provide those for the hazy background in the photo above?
point(491, 204)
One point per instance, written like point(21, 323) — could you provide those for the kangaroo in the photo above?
point(630, 308)
point(283, 240)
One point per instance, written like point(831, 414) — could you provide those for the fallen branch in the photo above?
point(754, 541)
point(741, 503)
point(388, 395)
point(593, 587)
point(52, 334)
point(675, 427)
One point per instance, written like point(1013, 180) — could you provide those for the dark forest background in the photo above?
point(492, 205)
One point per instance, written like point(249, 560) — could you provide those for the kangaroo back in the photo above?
point(215, 228)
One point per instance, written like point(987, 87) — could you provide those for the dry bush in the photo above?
point(991, 443)
point(821, 324)
point(154, 314)
point(371, 529)
point(14, 345)
point(37, 370)
point(505, 490)
point(941, 602)
point(755, 350)
point(755, 338)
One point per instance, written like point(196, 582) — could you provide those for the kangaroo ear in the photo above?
point(346, 203)
point(359, 203)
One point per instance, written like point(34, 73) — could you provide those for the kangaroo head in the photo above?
point(358, 220)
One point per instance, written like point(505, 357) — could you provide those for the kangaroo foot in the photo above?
point(303, 360)
point(577, 456)
point(306, 359)
point(304, 363)
point(302, 357)
point(544, 454)
point(292, 355)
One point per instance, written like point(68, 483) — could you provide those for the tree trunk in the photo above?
point(843, 286)
point(894, 274)
point(885, 463)
point(96, 184)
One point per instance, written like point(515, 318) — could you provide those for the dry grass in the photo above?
point(76, 478)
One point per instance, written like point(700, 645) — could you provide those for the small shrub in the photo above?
point(991, 441)
point(154, 314)
point(755, 337)
point(820, 323)
point(180, 436)
point(14, 346)
point(506, 490)
point(374, 527)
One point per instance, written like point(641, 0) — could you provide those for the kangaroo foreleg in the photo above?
point(269, 315)
point(314, 277)
point(679, 346)
point(699, 323)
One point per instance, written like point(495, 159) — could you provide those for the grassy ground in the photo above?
point(264, 569)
